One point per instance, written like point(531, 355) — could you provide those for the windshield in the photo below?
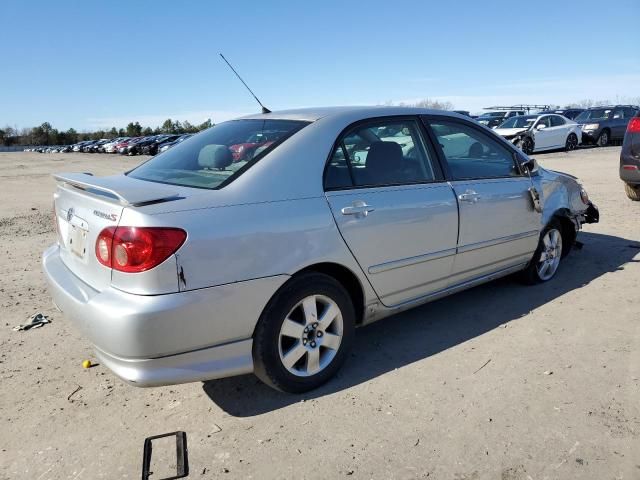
point(520, 121)
point(596, 114)
point(216, 155)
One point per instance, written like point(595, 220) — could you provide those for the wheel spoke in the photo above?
point(328, 316)
point(294, 355)
point(310, 310)
point(313, 361)
point(291, 329)
point(546, 240)
point(543, 256)
point(331, 341)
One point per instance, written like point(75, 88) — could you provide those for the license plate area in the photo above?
point(78, 231)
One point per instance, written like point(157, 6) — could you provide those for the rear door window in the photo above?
point(556, 121)
point(379, 153)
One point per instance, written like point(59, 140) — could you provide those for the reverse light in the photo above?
point(634, 125)
point(137, 249)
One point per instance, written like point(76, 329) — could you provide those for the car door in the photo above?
point(559, 130)
point(543, 136)
point(617, 123)
point(393, 208)
point(499, 228)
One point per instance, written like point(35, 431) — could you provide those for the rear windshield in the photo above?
point(217, 155)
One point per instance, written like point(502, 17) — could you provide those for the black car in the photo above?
point(152, 148)
point(602, 125)
point(570, 113)
point(135, 148)
point(630, 159)
point(493, 119)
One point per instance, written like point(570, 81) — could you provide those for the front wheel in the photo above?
point(632, 191)
point(603, 139)
point(546, 259)
point(526, 145)
point(571, 143)
point(304, 334)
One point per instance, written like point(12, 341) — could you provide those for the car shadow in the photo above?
point(432, 328)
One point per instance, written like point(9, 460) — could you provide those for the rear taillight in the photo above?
point(634, 125)
point(137, 249)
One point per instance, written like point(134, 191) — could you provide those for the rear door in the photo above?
point(499, 228)
point(393, 208)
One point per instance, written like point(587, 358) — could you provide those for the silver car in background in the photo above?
point(199, 264)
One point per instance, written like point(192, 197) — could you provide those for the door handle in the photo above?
point(357, 208)
point(470, 196)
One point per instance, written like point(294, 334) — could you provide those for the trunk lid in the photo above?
point(84, 205)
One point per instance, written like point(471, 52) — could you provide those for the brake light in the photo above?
point(634, 125)
point(137, 249)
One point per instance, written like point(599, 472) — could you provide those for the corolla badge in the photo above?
point(107, 216)
point(69, 214)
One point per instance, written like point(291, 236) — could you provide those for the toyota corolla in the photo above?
point(194, 266)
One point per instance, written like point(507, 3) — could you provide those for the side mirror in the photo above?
point(540, 126)
point(530, 165)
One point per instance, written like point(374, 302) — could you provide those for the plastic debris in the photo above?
point(86, 364)
point(36, 320)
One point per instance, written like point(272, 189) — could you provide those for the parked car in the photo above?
point(245, 149)
point(493, 119)
point(135, 147)
point(536, 133)
point(121, 147)
point(193, 266)
point(602, 125)
point(630, 159)
point(111, 147)
point(152, 147)
point(167, 145)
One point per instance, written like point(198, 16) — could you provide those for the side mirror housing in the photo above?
point(540, 126)
point(529, 165)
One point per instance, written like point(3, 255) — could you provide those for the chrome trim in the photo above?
point(497, 241)
point(405, 262)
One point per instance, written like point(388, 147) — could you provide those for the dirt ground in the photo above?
point(558, 399)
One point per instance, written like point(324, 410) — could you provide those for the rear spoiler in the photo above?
point(125, 190)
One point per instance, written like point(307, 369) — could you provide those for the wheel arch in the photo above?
point(568, 228)
point(345, 277)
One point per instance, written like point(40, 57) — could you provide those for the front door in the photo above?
point(499, 227)
point(393, 208)
point(543, 135)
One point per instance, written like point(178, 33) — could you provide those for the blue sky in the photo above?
point(100, 64)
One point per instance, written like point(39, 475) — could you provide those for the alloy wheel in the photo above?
point(310, 336)
point(572, 142)
point(550, 254)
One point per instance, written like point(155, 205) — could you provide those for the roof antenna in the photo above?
point(264, 109)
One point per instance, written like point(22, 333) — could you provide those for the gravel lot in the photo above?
point(559, 397)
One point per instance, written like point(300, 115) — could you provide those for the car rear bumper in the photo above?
point(151, 340)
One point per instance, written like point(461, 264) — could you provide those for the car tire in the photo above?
point(546, 260)
point(603, 139)
point(291, 350)
point(571, 143)
point(526, 145)
point(632, 191)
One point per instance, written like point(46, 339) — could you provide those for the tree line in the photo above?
point(46, 134)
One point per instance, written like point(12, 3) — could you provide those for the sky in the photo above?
point(93, 64)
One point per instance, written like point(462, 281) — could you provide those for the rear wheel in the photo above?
point(304, 334)
point(603, 139)
point(571, 143)
point(632, 191)
point(546, 259)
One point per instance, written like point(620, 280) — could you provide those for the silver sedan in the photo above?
point(260, 244)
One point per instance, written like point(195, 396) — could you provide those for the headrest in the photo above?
point(215, 157)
